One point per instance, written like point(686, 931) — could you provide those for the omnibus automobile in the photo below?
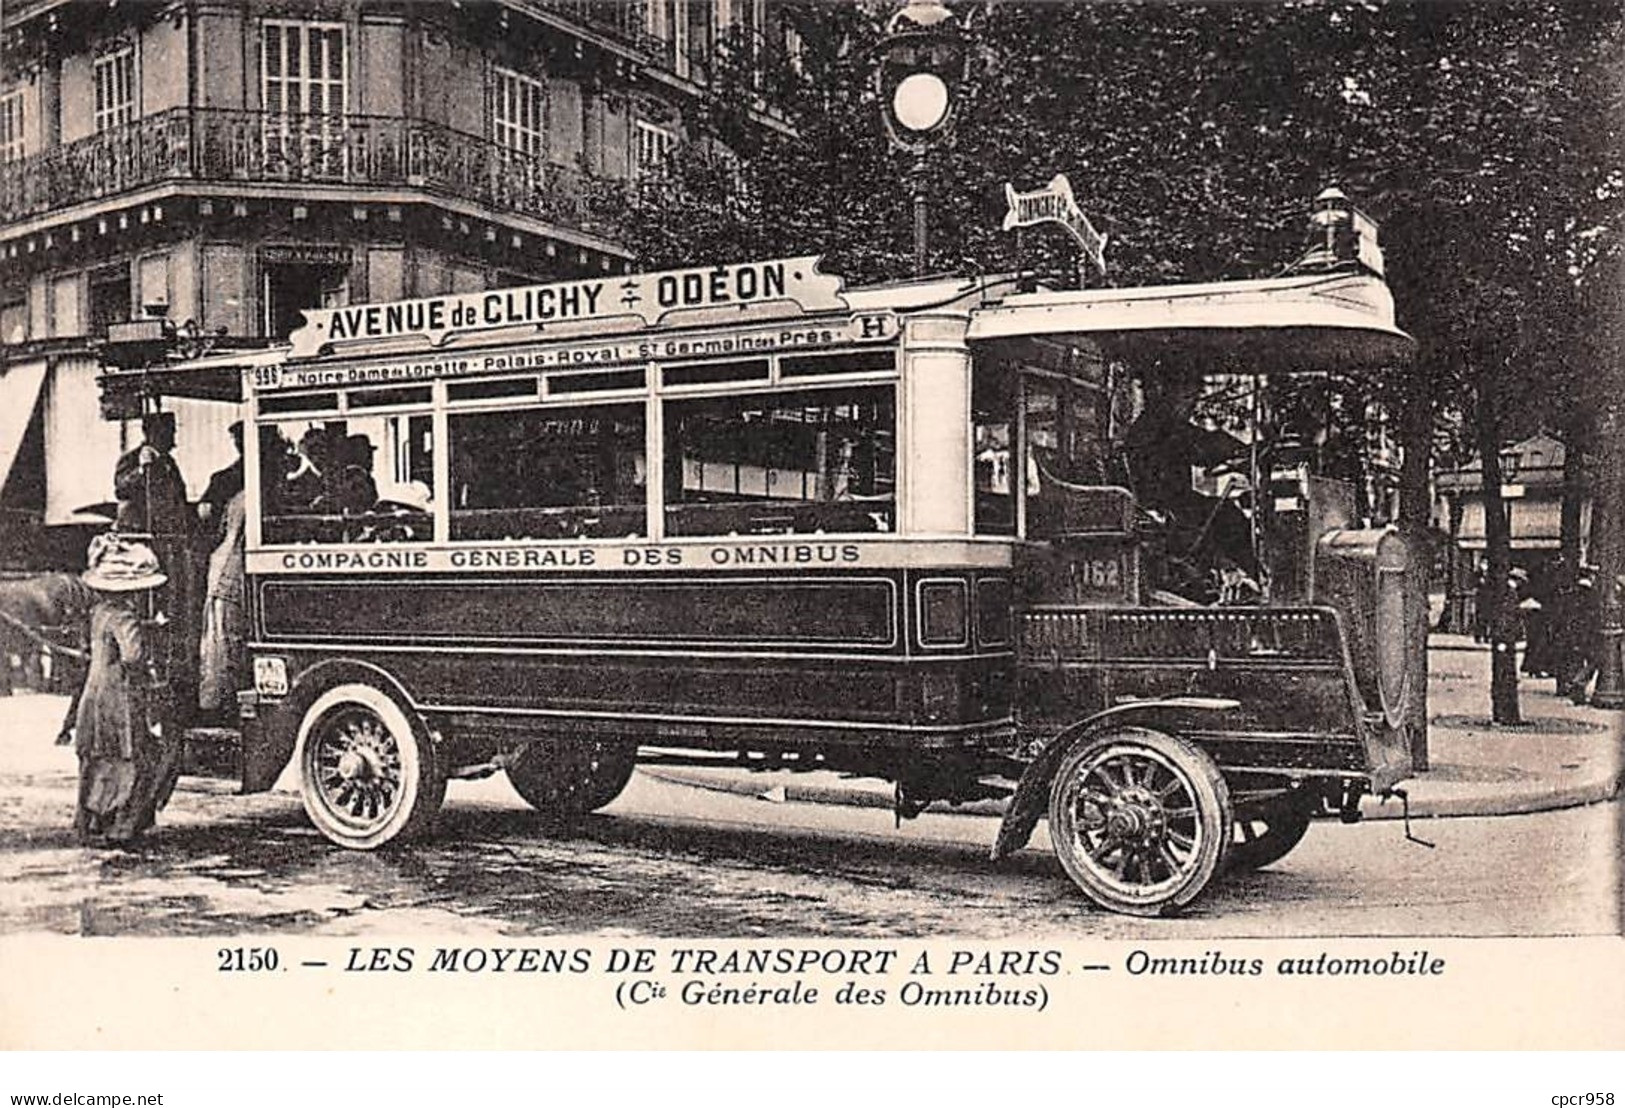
point(746, 514)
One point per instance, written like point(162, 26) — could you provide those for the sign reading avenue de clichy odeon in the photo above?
point(716, 309)
point(635, 304)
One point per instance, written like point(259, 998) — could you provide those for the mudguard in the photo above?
point(1032, 793)
point(271, 747)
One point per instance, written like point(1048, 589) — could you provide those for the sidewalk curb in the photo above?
point(1522, 801)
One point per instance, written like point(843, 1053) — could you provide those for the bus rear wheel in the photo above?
point(1140, 820)
point(564, 779)
point(369, 774)
point(1268, 834)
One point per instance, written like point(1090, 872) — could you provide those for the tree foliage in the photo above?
point(1484, 136)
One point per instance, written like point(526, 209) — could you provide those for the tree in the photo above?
point(1484, 136)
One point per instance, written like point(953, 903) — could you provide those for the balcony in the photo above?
point(615, 18)
point(209, 146)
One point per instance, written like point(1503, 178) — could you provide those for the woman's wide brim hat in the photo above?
point(119, 565)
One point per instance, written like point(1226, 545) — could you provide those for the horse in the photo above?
point(46, 615)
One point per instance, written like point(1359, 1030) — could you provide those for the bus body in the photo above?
point(744, 512)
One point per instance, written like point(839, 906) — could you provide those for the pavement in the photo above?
point(1563, 755)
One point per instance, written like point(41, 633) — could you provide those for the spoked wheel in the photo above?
point(1140, 820)
point(1268, 834)
point(564, 779)
point(368, 772)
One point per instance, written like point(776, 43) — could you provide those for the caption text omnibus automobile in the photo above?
point(745, 513)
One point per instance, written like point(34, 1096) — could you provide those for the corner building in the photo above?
point(226, 164)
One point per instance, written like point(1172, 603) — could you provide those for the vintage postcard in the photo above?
point(747, 524)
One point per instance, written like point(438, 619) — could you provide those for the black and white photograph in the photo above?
point(694, 520)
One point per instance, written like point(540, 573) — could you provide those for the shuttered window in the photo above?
point(115, 88)
point(11, 127)
point(651, 147)
point(304, 67)
point(519, 120)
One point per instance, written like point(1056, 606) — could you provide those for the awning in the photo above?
point(1323, 323)
point(1536, 524)
point(19, 396)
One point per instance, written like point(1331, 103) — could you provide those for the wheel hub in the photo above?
point(356, 766)
point(1136, 816)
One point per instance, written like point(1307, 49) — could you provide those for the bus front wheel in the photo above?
point(368, 769)
point(565, 779)
point(1140, 820)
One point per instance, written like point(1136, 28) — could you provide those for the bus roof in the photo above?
point(1329, 322)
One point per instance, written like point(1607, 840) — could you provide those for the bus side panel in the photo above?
point(839, 657)
point(1296, 710)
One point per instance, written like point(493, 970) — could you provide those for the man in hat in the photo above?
point(152, 501)
point(151, 492)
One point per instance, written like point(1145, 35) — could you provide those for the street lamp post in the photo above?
point(1610, 558)
point(919, 69)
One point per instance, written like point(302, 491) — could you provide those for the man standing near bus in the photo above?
point(152, 501)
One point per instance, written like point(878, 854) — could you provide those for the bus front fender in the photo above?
point(1032, 793)
point(277, 729)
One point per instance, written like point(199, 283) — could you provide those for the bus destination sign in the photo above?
point(863, 327)
point(647, 297)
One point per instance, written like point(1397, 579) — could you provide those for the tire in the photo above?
point(1267, 835)
point(564, 779)
point(368, 772)
point(1140, 821)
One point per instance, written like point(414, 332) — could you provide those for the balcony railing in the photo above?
point(616, 18)
point(211, 145)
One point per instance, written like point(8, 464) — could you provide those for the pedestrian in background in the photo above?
point(1586, 632)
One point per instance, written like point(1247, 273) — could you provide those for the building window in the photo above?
point(115, 88)
point(519, 121)
point(289, 289)
point(304, 67)
point(109, 297)
point(304, 70)
point(14, 319)
point(667, 22)
point(651, 147)
point(11, 127)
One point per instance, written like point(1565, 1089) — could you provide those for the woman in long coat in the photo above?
point(126, 772)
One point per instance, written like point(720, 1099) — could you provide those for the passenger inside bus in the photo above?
point(361, 479)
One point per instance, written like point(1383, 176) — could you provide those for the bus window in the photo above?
point(549, 473)
point(993, 408)
point(1064, 450)
point(808, 462)
point(361, 479)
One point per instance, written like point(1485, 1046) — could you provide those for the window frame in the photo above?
point(319, 410)
point(664, 138)
point(767, 392)
point(559, 407)
point(303, 81)
point(510, 88)
point(118, 63)
point(13, 126)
